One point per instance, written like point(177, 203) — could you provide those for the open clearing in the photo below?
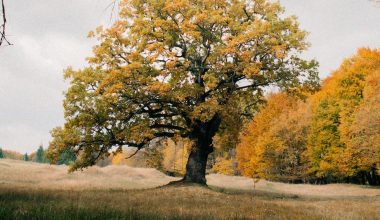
point(30, 190)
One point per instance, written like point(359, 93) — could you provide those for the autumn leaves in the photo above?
point(333, 136)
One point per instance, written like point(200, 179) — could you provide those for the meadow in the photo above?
point(40, 191)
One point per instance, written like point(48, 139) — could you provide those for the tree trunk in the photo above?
point(202, 136)
point(196, 166)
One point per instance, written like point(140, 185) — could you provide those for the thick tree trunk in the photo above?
point(196, 164)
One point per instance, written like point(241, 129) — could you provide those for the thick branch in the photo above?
point(168, 126)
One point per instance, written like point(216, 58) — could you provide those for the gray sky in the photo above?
point(49, 36)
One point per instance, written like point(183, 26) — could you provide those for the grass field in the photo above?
point(39, 191)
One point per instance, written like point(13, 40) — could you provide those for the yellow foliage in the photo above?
point(176, 155)
point(335, 135)
point(224, 166)
point(118, 159)
point(334, 110)
point(259, 144)
point(168, 68)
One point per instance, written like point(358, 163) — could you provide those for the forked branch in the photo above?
point(3, 38)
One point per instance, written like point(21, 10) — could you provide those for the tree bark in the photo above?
point(196, 166)
point(197, 161)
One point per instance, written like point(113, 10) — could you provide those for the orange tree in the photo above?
point(178, 69)
point(274, 143)
point(363, 146)
point(335, 121)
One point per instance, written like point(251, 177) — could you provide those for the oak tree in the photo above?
point(172, 69)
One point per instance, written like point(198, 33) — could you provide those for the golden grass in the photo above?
point(29, 174)
point(226, 198)
point(329, 190)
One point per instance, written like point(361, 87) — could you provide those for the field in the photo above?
point(39, 191)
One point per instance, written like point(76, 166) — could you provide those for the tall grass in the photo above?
point(34, 191)
point(49, 205)
point(178, 203)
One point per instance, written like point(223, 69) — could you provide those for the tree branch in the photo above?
point(138, 149)
point(2, 27)
point(168, 126)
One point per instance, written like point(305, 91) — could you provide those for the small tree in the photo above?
point(180, 69)
point(26, 157)
point(40, 155)
point(1, 153)
point(66, 157)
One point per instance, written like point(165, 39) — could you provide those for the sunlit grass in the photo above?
point(25, 193)
point(188, 202)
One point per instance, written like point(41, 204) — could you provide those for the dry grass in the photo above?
point(44, 176)
point(108, 192)
point(330, 190)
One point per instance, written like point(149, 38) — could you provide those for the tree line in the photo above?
point(330, 136)
point(39, 156)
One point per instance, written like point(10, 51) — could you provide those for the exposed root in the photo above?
point(183, 183)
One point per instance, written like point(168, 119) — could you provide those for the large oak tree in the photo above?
point(184, 68)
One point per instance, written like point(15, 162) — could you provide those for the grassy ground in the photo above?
point(34, 191)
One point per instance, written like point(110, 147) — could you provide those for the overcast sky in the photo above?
point(49, 36)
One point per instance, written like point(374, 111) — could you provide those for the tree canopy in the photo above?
point(171, 69)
